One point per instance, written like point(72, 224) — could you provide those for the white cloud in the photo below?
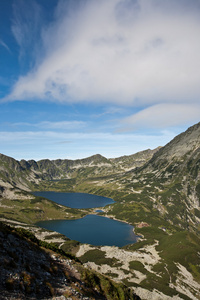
point(163, 116)
point(61, 125)
point(5, 45)
point(65, 125)
point(120, 51)
point(26, 22)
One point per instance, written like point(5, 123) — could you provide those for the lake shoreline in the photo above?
point(76, 200)
point(88, 213)
point(94, 230)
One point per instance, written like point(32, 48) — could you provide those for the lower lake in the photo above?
point(91, 229)
point(76, 200)
point(95, 230)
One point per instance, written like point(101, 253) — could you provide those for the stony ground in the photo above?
point(28, 271)
point(148, 257)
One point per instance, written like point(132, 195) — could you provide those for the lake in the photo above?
point(93, 229)
point(76, 200)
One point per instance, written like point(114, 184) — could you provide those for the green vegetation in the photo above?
point(136, 265)
point(51, 246)
point(98, 257)
point(62, 185)
point(34, 209)
point(106, 286)
point(70, 246)
point(181, 247)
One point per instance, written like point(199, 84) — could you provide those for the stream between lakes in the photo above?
point(91, 229)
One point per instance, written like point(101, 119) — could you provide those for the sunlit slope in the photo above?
point(170, 181)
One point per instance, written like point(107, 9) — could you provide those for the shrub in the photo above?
point(10, 284)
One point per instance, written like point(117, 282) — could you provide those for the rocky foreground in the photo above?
point(29, 271)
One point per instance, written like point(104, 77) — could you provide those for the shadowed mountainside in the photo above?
point(31, 269)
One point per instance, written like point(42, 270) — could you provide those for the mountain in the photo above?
point(157, 191)
point(177, 167)
point(168, 177)
point(23, 174)
point(129, 162)
point(170, 180)
point(178, 156)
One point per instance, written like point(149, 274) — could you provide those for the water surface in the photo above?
point(76, 200)
point(93, 229)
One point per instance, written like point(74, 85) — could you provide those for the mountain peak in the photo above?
point(184, 143)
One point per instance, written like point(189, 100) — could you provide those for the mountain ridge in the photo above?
point(178, 147)
point(173, 172)
point(46, 169)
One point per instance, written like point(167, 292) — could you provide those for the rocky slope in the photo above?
point(31, 269)
point(178, 156)
point(170, 180)
point(139, 268)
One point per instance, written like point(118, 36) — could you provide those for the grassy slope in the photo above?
point(35, 209)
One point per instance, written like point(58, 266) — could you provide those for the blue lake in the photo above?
point(93, 229)
point(76, 200)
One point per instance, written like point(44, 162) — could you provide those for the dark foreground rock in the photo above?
point(29, 271)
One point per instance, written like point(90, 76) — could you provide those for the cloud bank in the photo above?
point(162, 116)
point(131, 52)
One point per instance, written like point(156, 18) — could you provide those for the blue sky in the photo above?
point(83, 77)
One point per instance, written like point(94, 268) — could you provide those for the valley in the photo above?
point(157, 191)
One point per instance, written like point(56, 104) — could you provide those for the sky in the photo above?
point(81, 77)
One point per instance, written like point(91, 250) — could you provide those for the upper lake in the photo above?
point(76, 200)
